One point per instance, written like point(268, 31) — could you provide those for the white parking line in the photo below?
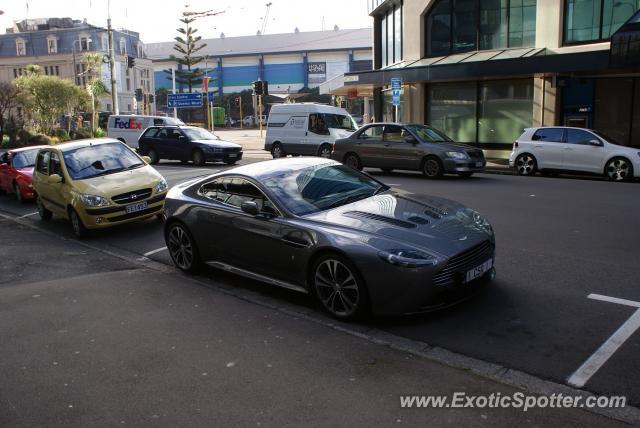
point(157, 250)
point(581, 376)
point(28, 215)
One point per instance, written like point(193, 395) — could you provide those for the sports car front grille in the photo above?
point(463, 262)
point(135, 196)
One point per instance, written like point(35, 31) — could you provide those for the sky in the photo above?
point(156, 20)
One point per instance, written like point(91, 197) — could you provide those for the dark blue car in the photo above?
point(187, 143)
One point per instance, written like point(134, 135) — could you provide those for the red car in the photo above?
point(16, 169)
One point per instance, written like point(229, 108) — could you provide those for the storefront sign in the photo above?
point(317, 72)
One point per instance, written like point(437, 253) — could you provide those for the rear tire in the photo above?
point(526, 165)
point(153, 155)
point(353, 161)
point(432, 167)
point(16, 188)
point(76, 224)
point(197, 157)
point(44, 213)
point(277, 151)
point(325, 151)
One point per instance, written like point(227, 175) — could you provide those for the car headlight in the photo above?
point(407, 258)
point(93, 200)
point(481, 222)
point(457, 155)
point(161, 186)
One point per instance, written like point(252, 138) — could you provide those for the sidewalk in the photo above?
point(129, 345)
point(253, 147)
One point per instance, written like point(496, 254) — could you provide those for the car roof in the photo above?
point(71, 145)
point(270, 168)
point(23, 149)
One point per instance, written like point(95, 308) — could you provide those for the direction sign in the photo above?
point(396, 83)
point(184, 100)
point(395, 97)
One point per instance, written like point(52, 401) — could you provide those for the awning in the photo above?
point(337, 86)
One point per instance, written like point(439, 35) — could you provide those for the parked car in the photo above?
point(567, 149)
point(96, 184)
point(129, 128)
point(16, 171)
point(319, 227)
point(390, 146)
point(306, 129)
point(251, 121)
point(186, 143)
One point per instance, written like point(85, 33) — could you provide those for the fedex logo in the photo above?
point(127, 124)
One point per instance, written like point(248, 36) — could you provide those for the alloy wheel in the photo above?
point(618, 169)
point(337, 288)
point(432, 168)
point(277, 151)
point(352, 161)
point(181, 248)
point(525, 165)
point(325, 151)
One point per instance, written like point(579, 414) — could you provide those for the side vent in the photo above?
point(381, 218)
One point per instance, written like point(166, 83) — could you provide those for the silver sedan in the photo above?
point(319, 227)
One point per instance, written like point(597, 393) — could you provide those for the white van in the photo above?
point(128, 128)
point(306, 129)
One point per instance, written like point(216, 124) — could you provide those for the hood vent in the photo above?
point(381, 218)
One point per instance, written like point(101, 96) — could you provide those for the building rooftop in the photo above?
point(273, 43)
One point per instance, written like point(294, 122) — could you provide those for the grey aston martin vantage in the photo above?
point(320, 227)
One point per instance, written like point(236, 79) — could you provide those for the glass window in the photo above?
point(522, 23)
point(590, 20)
point(439, 29)
point(199, 134)
point(321, 187)
point(383, 41)
point(493, 24)
point(372, 132)
point(429, 134)
point(552, 135)
point(100, 159)
point(317, 124)
point(150, 133)
point(579, 136)
point(43, 162)
point(452, 108)
point(54, 165)
point(505, 108)
point(390, 23)
point(236, 191)
point(24, 159)
point(393, 133)
point(615, 13)
point(397, 34)
point(464, 25)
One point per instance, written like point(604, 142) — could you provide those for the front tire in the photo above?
point(197, 157)
point(182, 248)
point(76, 223)
point(16, 188)
point(353, 161)
point(277, 151)
point(619, 169)
point(526, 165)
point(325, 151)
point(339, 288)
point(44, 213)
point(432, 167)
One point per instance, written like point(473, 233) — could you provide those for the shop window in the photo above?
point(594, 20)
point(465, 25)
point(505, 108)
point(452, 109)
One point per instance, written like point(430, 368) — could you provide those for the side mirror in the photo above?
point(250, 207)
point(596, 143)
point(180, 137)
point(54, 179)
point(411, 139)
point(147, 159)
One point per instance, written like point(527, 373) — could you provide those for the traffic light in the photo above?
point(343, 104)
point(237, 101)
point(265, 88)
point(152, 98)
point(257, 87)
point(138, 94)
point(131, 62)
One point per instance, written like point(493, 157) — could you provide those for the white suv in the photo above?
point(561, 148)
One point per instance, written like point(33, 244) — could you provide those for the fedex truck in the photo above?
point(128, 128)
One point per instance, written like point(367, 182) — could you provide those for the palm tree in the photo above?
point(33, 70)
point(96, 87)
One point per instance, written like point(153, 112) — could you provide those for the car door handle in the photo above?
point(538, 146)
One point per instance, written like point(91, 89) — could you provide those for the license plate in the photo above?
point(478, 164)
point(478, 271)
point(134, 208)
point(233, 155)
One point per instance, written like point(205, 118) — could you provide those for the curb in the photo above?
point(484, 369)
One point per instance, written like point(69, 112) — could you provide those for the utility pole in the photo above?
point(112, 63)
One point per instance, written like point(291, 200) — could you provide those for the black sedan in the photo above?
point(390, 146)
point(320, 227)
point(186, 143)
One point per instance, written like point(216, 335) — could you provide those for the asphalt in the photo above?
point(130, 345)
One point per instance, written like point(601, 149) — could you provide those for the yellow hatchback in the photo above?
point(96, 184)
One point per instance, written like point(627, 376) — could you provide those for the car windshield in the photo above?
point(100, 159)
point(25, 159)
point(322, 187)
point(199, 134)
point(429, 134)
point(339, 121)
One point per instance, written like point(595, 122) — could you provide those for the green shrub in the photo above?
point(24, 136)
point(62, 134)
point(80, 134)
point(39, 139)
point(99, 133)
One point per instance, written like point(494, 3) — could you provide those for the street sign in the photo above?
point(396, 87)
point(396, 83)
point(184, 100)
point(211, 97)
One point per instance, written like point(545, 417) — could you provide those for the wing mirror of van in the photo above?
point(147, 159)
